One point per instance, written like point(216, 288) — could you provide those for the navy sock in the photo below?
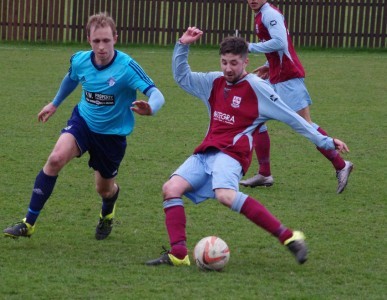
point(108, 204)
point(43, 188)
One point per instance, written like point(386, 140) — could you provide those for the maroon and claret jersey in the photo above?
point(233, 113)
point(284, 65)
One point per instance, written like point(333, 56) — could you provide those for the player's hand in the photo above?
point(46, 112)
point(141, 107)
point(262, 72)
point(340, 146)
point(192, 34)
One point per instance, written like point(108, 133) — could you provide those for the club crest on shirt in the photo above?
point(111, 81)
point(236, 102)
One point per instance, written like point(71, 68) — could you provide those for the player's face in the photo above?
point(255, 5)
point(233, 67)
point(102, 43)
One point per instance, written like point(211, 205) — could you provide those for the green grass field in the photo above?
point(346, 233)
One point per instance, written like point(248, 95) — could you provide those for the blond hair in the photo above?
point(101, 20)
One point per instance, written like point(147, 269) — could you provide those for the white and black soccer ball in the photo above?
point(211, 253)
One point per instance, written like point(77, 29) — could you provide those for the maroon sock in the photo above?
point(262, 150)
point(260, 215)
point(334, 156)
point(175, 222)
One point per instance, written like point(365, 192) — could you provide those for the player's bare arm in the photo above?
point(46, 112)
point(192, 34)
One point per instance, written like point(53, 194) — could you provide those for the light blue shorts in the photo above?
point(208, 171)
point(294, 93)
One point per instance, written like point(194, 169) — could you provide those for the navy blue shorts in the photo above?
point(106, 151)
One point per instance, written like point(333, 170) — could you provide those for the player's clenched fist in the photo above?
point(192, 34)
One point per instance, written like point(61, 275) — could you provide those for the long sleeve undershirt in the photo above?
point(156, 98)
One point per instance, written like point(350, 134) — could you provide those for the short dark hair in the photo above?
point(234, 45)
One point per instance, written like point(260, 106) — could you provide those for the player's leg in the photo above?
point(332, 155)
point(261, 216)
point(343, 168)
point(108, 190)
point(106, 153)
point(175, 222)
point(191, 180)
point(295, 94)
point(263, 177)
point(65, 149)
point(226, 174)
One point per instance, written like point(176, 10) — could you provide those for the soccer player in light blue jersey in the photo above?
point(99, 123)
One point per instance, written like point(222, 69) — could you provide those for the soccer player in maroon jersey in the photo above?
point(238, 104)
point(286, 74)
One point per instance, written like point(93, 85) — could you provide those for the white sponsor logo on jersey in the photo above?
point(224, 118)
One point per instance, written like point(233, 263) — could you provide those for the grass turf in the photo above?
point(346, 233)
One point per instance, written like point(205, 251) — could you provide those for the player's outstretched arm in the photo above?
point(191, 35)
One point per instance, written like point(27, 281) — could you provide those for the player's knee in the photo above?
point(55, 161)
point(169, 189)
point(173, 188)
point(104, 192)
point(225, 196)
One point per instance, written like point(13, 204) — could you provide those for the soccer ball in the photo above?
point(211, 253)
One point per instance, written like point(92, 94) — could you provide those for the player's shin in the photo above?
point(175, 222)
point(332, 155)
point(261, 216)
point(108, 203)
point(43, 187)
point(262, 150)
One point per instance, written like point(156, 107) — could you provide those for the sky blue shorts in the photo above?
point(208, 171)
point(106, 151)
point(294, 93)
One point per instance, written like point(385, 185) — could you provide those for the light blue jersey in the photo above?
point(109, 91)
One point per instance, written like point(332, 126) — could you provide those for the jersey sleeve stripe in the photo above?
point(136, 67)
